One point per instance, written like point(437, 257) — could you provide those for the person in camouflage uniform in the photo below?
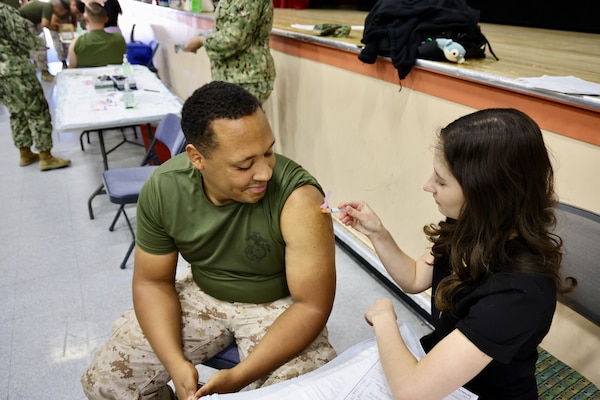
point(238, 47)
point(39, 15)
point(72, 17)
point(22, 93)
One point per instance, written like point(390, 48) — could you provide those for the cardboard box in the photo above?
point(67, 32)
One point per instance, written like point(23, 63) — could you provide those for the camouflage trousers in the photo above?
point(126, 367)
point(30, 119)
point(62, 49)
point(39, 54)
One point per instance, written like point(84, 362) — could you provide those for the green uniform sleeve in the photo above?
point(235, 25)
point(14, 31)
point(47, 11)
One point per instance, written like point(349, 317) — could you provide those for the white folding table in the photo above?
point(82, 107)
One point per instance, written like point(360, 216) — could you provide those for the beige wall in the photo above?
point(363, 138)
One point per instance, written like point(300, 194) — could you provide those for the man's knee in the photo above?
point(125, 367)
point(96, 382)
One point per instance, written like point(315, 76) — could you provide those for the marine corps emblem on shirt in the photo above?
point(258, 247)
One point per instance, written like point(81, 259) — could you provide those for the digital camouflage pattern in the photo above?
point(238, 46)
point(15, 43)
point(62, 49)
point(39, 53)
point(20, 90)
point(335, 30)
point(208, 326)
point(30, 119)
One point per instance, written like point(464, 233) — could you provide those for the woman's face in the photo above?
point(73, 7)
point(446, 190)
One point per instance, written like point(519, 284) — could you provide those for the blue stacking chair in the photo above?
point(225, 359)
point(123, 185)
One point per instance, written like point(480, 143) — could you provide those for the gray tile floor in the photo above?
point(61, 285)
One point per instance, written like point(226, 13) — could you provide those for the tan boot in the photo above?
point(28, 157)
point(48, 161)
point(47, 76)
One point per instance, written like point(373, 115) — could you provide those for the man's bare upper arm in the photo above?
point(73, 63)
point(310, 248)
point(154, 268)
point(46, 23)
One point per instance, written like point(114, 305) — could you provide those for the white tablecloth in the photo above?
point(79, 106)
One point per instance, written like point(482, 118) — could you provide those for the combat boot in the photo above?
point(48, 161)
point(47, 76)
point(28, 157)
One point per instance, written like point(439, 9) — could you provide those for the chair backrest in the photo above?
point(139, 52)
point(154, 46)
point(580, 232)
point(168, 141)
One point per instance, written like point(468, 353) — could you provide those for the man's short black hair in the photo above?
point(215, 100)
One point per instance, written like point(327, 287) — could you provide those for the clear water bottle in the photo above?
point(128, 98)
point(127, 72)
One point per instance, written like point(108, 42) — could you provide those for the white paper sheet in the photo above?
point(373, 385)
point(563, 84)
point(356, 374)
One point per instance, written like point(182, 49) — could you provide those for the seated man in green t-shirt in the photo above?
point(97, 47)
point(261, 256)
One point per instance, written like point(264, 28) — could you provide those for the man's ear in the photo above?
point(195, 156)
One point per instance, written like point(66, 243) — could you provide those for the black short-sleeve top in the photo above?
point(506, 317)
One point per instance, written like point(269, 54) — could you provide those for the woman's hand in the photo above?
point(381, 308)
point(361, 217)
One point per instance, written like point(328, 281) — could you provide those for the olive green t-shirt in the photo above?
point(36, 10)
point(236, 251)
point(98, 48)
point(13, 3)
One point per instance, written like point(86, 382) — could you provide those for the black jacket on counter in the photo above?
point(396, 28)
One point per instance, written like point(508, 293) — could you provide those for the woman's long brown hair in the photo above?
point(499, 158)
